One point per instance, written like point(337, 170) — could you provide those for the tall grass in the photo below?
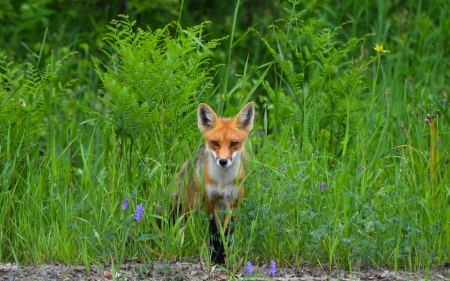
point(379, 197)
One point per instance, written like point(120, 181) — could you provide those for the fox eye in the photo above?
point(215, 143)
point(234, 143)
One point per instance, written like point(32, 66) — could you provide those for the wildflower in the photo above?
point(379, 48)
point(174, 194)
point(249, 269)
point(360, 168)
point(139, 211)
point(273, 268)
point(322, 186)
point(264, 269)
point(125, 204)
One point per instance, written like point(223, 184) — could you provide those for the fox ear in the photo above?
point(207, 118)
point(244, 119)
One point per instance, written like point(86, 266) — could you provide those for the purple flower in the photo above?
point(263, 269)
point(360, 168)
point(249, 269)
point(322, 186)
point(139, 211)
point(125, 204)
point(273, 268)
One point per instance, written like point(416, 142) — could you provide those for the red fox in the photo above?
point(218, 167)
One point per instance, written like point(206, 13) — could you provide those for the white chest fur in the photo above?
point(224, 196)
point(227, 193)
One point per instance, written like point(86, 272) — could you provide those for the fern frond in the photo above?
point(154, 79)
point(22, 110)
point(320, 76)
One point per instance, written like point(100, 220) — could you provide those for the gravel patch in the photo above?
point(197, 270)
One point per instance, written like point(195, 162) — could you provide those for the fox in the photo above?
point(215, 178)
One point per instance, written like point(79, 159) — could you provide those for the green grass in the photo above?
point(66, 171)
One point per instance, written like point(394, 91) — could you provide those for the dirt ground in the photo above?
point(197, 270)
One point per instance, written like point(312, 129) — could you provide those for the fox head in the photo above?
point(225, 138)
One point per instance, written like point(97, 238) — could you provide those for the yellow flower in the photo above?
point(379, 48)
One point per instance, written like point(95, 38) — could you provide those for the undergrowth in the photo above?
point(348, 162)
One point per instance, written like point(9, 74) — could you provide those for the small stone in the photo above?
point(107, 274)
point(79, 269)
point(385, 274)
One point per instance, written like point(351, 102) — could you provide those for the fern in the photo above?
point(22, 112)
point(154, 79)
point(317, 77)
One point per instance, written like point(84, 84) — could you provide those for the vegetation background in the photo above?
point(348, 160)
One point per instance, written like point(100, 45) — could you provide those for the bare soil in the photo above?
point(197, 270)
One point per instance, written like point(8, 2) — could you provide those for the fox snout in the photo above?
point(223, 162)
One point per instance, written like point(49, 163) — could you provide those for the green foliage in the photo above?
point(385, 168)
point(155, 79)
point(319, 84)
point(24, 93)
point(370, 211)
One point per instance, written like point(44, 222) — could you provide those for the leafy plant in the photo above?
point(155, 78)
point(318, 85)
point(25, 94)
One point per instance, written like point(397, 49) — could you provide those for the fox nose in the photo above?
point(223, 162)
